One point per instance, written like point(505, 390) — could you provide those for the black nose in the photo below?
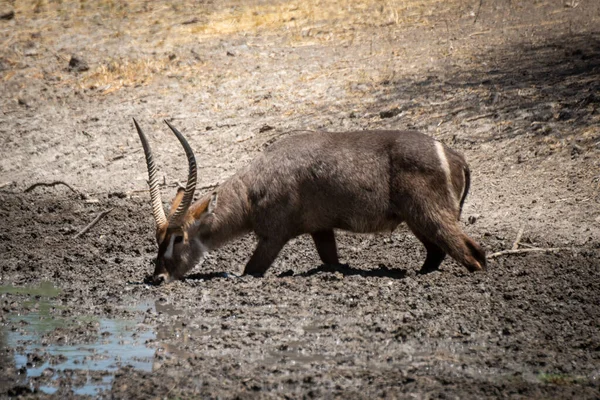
point(159, 279)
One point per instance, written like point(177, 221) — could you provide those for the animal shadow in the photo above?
point(207, 276)
point(149, 280)
point(346, 270)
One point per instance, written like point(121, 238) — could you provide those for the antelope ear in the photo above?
point(176, 201)
point(212, 204)
point(197, 211)
point(207, 206)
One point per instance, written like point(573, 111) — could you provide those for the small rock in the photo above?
point(77, 64)
point(7, 15)
point(576, 149)
point(58, 359)
point(265, 128)
point(119, 195)
point(256, 388)
point(542, 130)
point(18, 390)
point(392, 112)
point(190, 21)
point(541, 115)
point(563, 115)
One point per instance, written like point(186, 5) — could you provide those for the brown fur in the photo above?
point(316, 182)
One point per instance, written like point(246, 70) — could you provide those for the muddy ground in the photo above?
point(514, 85)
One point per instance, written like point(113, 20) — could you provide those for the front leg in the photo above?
point(265, 253)
point(325, 244)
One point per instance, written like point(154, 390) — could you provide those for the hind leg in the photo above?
point(326, 247)
point(435, 255)
point(445, 233)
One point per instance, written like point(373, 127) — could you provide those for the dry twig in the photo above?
point(515, 248)
point(55, 183)
point(119, 157)
point(478, 10)
point(515, 245)
point(475, 118)
point(531, 250)
point(93, 223)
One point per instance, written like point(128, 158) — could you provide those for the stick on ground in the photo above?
point(55, 183)
point(515, 245)
point(93, 223)
point(531, 250)
point(5, 184)
point(475, 118)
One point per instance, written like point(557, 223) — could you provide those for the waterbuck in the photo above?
point(316, 182)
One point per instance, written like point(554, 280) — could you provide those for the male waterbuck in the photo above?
point(315, 182)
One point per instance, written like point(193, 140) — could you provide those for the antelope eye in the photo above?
point(178, 239)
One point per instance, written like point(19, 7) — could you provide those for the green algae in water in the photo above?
point(45, 289)
point(117, 342)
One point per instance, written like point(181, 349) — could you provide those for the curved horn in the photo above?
point(190, 187)
point(157, 207)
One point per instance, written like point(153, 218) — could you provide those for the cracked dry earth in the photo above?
point(512, 85)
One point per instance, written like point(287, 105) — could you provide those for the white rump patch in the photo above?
point(439, 147)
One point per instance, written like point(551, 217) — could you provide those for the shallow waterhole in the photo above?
point(52, 353)
point(83, 352)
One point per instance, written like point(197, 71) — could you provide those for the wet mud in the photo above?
point(527, 327)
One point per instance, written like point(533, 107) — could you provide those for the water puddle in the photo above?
point(46, 360)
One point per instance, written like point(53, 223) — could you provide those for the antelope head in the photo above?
point(179, 247)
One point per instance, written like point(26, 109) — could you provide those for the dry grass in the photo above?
point(237, 16)
point(117, 74)
point(186, 21)
point(154, 28)
point(334, 17)
point(121, 73)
